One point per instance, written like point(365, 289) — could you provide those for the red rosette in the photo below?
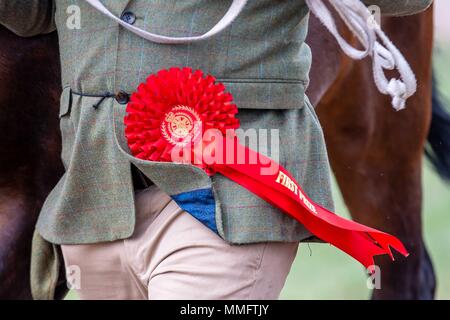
point(175, 107)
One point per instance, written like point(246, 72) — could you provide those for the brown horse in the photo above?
point(375, 152)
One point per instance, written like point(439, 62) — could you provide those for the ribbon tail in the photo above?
point(281, 190)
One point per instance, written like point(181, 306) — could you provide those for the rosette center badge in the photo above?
point(181, 125)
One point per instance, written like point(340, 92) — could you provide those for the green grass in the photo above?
point(322, 272)
point(441, 60)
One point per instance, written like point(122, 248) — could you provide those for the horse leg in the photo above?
point(383, 191)
point(14, 238)
point(376, 155)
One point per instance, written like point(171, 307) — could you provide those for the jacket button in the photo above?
point(122, 97)
point(128, 17)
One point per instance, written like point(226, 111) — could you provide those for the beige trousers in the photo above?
point(171, 255)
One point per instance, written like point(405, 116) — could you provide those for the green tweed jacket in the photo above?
point(263, 61)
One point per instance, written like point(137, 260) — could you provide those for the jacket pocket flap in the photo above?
point(253, 94)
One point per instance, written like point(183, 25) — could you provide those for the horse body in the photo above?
point(30, 164)
point(375, 152)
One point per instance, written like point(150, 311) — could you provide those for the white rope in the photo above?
point(233, 12)
point(385, 54)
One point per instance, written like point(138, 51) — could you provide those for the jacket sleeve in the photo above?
point(400, 7)
point(28, 18)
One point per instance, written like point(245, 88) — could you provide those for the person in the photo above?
point(151, 230)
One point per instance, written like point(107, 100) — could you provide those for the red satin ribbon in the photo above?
point(282, 191)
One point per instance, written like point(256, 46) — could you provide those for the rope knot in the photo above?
point(397, 90)
point(384, 53)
